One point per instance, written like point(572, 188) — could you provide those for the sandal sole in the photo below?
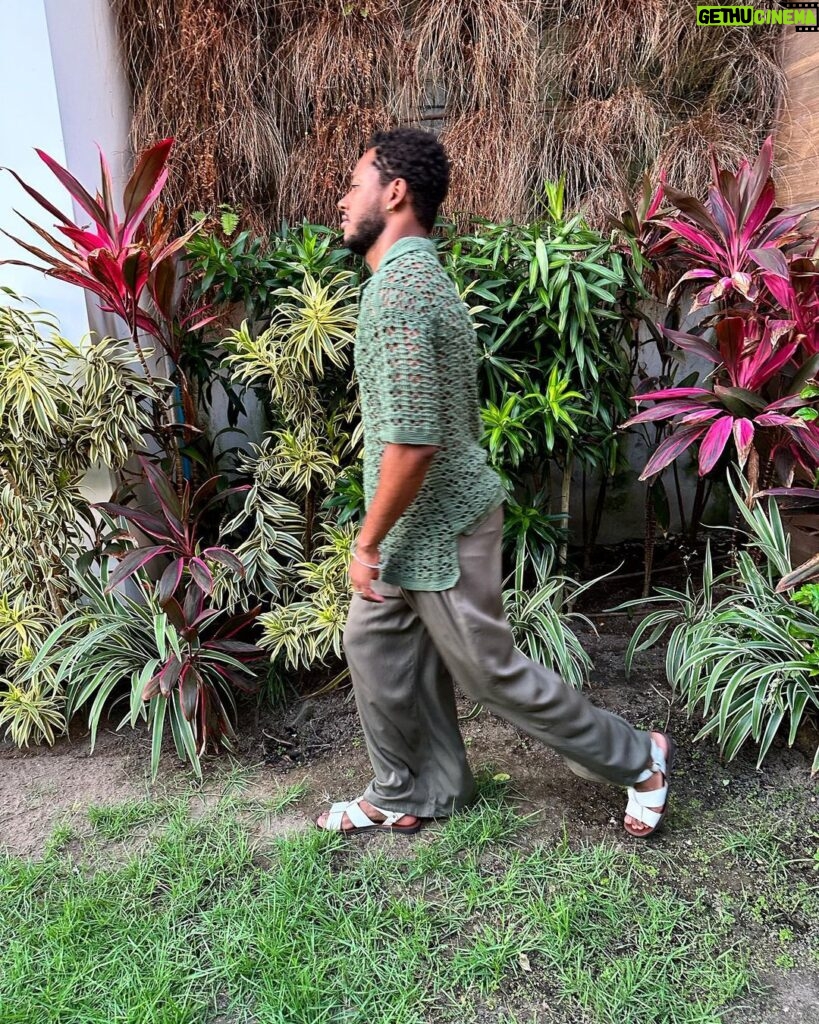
point(669, 768)
point(398, 830)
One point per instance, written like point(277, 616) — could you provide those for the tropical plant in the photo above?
point(181, 661)
point(301, 364)
point(540, 618)
point(738, 242)
point(127, 261)
point(248, 270)
point(554, 366)
point(307, 631)
point(749, 357)
point(178, 528)
point(740, 652)
point(63, 408)
point(738, 236)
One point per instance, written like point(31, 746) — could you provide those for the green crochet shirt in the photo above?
point(416, 358)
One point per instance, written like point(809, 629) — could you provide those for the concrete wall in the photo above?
point(798, 135)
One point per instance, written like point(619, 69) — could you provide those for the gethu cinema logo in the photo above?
point(804, 17)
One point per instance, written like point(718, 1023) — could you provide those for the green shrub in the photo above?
point(63, 409)
point(740, 653)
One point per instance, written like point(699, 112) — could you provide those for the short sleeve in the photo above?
point(410, 389)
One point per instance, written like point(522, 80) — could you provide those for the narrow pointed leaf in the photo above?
point(141, 189)
point(169, 580)
point(713, 443)
point(134, 561)
point(201, 574)
point(672, 448)
point(77, 191)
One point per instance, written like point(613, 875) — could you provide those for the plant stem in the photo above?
point(650, 540)
point(565, 495)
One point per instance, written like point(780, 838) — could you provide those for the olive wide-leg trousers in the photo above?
point(403, 655)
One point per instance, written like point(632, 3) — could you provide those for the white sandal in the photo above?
point(640, 803)
point(363, 823)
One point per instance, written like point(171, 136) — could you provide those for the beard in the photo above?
point(367, 234)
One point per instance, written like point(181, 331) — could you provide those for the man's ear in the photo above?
point(397, 193)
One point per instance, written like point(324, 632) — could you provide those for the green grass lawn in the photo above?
point(158, 917)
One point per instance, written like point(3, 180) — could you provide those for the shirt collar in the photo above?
point(412, 243)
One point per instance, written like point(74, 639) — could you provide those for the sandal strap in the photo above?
point(658, 762)
point(358, 817)
point(640, 804)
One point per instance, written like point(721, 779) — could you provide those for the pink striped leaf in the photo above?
point(665, 411)
point(694, 344)
point(671, 449)
point(713, 444)
point(770, 259)
point(201, 574)
point(701, 273)
point(77, 191)
point(777, 419)
point(701, 416)
point(743, 439)
point(134, 561)
point(144, 186)
point(698, 238)
point(754, 218)
point(660, 396)
point(39, 198)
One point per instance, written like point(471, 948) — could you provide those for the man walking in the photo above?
point(426, 570)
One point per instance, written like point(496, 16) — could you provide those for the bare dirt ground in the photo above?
point(748, 837)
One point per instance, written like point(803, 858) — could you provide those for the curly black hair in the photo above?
point(419, 158)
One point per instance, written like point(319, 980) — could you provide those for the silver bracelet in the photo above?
point(367, 565)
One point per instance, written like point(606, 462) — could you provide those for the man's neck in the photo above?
point(387, 239)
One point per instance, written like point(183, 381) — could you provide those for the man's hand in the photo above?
point(361, 577)
point(401, 473)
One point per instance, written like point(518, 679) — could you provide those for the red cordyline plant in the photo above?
point(176, 526)
point(128, 260)
point(737, 236)
point(766, 344)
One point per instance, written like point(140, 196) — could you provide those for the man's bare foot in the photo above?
point(657, 781)
point(408, 821)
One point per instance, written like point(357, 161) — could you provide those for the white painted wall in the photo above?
point(29, 117)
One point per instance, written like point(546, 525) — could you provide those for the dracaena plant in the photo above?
point(127, 256)
point(177, 529)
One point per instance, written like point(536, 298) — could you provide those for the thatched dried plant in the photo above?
point(200, 72)
point(343, 71)
point(341, 54)
point(599, 48)
point(601, 146)
point(271, 101)
point(501, 147)
point(686, 146)
point(320, 164)
point(480, 59)
point(485, 53)
point(687, 69)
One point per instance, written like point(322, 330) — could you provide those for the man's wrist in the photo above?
point(366, 550)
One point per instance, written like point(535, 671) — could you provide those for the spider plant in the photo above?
point(740, 652)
